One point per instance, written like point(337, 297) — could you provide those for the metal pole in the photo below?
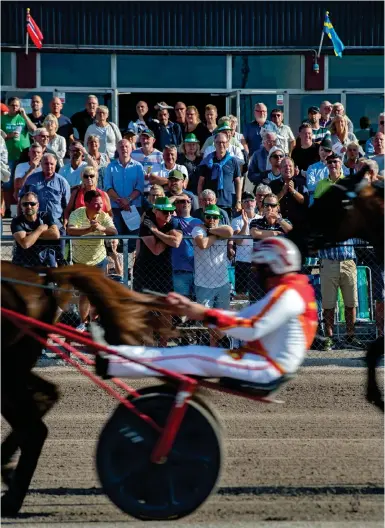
point(125, 261)
point(26, 43)
point(320, 44)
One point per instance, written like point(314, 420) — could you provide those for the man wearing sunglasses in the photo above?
point(34, 232)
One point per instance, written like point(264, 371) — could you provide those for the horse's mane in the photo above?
point(125, 315)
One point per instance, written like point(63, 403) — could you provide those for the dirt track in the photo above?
point(319, 457)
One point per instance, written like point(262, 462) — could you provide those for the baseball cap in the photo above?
point(333, 156)
point(247, 196)
point(190, 138)
point(147, 132)
point(222, 128)
point(163, 204)
point(275, 149)
point(176, 174)
point(326, 144)
point(163, 106)
point(212, 210)
point(313, 110)
point(129, 132)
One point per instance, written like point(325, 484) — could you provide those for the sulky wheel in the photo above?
point(164, 491)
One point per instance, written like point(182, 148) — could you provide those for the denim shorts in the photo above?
point(183, 282)
point(214, 297)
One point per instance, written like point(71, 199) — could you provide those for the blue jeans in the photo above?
point(102, 265)
point(183, 282)
point(214, 297)
point(123, 229)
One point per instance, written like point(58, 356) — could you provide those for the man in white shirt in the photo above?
point(23, 170)
point(243, 247)
point(150, 158)
point(211, 276)
point(170, 154)
point(285, 136)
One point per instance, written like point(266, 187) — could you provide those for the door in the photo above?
point(249, 99)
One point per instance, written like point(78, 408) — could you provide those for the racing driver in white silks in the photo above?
point(276, 331)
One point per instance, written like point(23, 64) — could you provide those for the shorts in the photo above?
point(334, 274)
point(184, 283)
point(214, 297)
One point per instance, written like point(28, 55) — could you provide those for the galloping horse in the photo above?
point(26, 397)
point(352, 208)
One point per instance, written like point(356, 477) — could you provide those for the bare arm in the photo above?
point(78, 231)
point(291, 146)
point(52, 233)
point(26, 240)
point(69, 208)
point(260, 234)
point(238, 189)
point(155, 246)
point(31, 127)
point(158, 180)
point(224, 231)
point(205, 242)
point(201, 182)
point(173, 239)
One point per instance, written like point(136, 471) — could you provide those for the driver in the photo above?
point(276, 331)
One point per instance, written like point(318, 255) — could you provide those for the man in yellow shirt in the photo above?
point(334, 165)
point(86, 221)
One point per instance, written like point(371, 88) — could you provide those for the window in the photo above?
point(359, 105)
point(6, 70)
point(356, 71)
point(72, 69)
point(266, 71)
point(175, 71)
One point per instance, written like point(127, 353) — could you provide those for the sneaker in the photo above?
point(328, 344)
point(354, 343)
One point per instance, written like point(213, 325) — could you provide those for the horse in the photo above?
point(26, 397)
point(351, 208)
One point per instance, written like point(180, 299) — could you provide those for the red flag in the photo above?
point(34, 32)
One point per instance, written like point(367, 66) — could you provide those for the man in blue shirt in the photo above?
point(220, 172)
point(124, 184)
point(166, 132)
point(183, 256)
point(252, 132)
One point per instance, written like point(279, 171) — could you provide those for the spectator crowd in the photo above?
point(182, 186)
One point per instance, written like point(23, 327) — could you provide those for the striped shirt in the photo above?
point(319, 134)
point(344, 251)
point(151, 164)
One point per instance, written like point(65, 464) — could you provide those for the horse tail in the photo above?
point(125, 315)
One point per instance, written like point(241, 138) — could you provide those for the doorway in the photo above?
point(127, 103)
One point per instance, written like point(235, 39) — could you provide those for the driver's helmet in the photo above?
point(280, 254)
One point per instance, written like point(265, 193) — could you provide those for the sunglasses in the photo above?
point(277, 156)
point(183, 202)
point(49, 122)
point(211, 217)
point(332, 162)
point(25, 204)
point(88, 177)
point(270, 205)
point(276, 115)
point(165, 213)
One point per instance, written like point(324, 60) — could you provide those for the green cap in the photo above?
point(163, 204)
point(176, 174)
point(223, 127)
point(191, 138)
point(212, 210)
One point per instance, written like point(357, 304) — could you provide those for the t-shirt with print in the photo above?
point(15, 145)
point(210, 265)
point(183, 256)
point(90, 252)
point(243, 253)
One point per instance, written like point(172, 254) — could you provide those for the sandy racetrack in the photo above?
point(319, 457)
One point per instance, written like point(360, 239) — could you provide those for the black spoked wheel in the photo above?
point(169, 490)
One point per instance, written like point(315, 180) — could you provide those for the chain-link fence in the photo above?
point(349, 293)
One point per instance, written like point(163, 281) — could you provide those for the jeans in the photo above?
point(184, 283)
point(214, 297)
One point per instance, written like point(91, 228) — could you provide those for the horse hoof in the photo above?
point(10, 506)
point(7, 472)
point(375, 399)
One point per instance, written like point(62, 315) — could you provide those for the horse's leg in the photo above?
point(373, 356)
point(45, 395)
point(21, 407)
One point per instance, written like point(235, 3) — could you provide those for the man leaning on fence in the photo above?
point(34, 233)
point(212, 284)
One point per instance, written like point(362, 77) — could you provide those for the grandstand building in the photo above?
point(231, 54)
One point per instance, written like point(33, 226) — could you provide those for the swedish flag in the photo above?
point(331, 33)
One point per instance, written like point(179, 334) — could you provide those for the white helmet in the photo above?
point(279, 253)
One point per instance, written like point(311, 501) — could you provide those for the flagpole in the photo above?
point(27, 35)
point(322, 39)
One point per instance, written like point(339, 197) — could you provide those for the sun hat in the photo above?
point(212, 210)
point(223, 127)
point(163, 106)
point(190, 138)
point(163, 204)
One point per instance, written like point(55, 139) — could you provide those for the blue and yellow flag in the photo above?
point(331, 33)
